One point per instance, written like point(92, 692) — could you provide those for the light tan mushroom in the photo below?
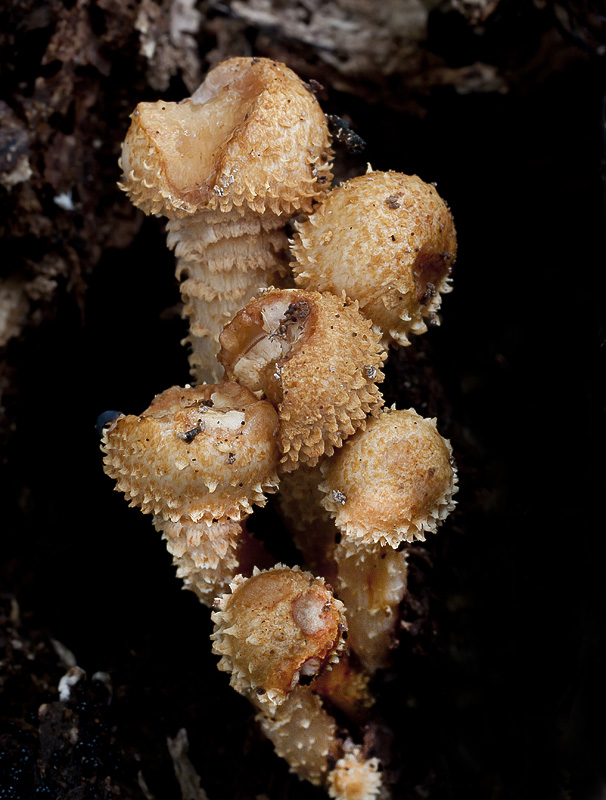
point(228, 167)
point(392, 482)
point(388, 241)
point(368, 577)
point(354, 777)
point(275, 628)
point(315, 357)
point(196, 454)
point(305, 735)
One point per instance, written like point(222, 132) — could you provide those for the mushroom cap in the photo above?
point(274, 627)
point(251, 135)
point(354, 777)
point(392, 482)
point(202, 453)
point(304, 734)
point(388, 241)
point(316, 359)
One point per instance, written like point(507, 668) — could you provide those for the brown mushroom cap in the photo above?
point(275, 627)
point(388, 241)
point(251, 135)
point(392, 482)
point(202, 453)
point(316, 359)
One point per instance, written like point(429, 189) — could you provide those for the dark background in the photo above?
point(500, 693)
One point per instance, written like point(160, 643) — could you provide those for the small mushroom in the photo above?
point(197, 454)
point(305, 735)
point(354, 777)
point(397, 480)
point(228, 167)
point(274, 629)
point(316, 358)
point(388, 241)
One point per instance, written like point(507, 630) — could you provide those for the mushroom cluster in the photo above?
point(287, 359)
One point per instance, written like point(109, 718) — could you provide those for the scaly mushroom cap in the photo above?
point(392, 482)
point(203, 453)
point(274, 628)
point(315, 358)
point(388, 241)
point(251, 135)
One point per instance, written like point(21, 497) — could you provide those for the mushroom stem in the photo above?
point(223, 259)
point(371, 583)
point(209, 557)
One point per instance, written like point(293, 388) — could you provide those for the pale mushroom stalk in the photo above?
point(311, 527)
point(228, 167)
point(371, 582)
point(223, 259)
point(208, 558)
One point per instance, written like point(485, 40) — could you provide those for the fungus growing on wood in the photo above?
point(228, 167)
point(274, 629)
point(388, 241)
point(196, 454)
point(316, 358)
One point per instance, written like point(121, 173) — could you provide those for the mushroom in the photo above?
point(274, 629)
point(196, 454)
point(392, 482)
point(305, 735)
point(371, 582)
point(315, 357)
point(369, 578)
point(388, 241)
point(228, 167)
point(354, 777)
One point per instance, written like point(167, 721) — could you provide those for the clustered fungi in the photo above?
point(287, 400)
